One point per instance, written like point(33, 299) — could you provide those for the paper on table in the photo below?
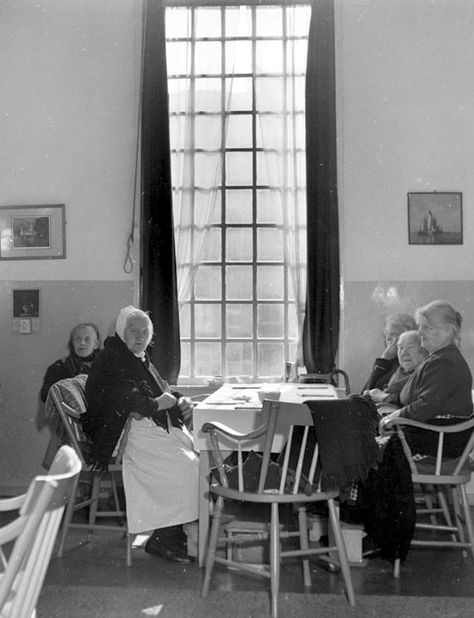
point(311, 386)
point(328, 396)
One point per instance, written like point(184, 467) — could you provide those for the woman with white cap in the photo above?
point(160, 467)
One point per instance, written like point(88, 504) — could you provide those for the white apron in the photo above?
point(160, 477)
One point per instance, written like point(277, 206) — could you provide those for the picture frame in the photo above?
point(26, 303)
point(26, 311)
point(435, 218)
point(32, 232)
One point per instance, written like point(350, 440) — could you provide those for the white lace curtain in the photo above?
point(196, 180)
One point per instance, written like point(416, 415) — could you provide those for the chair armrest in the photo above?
point(12, 504)
point(341, 372)
point(226, 431)
point(400, 420)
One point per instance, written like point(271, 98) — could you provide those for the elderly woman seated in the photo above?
point(410, 354)
point(437, 392)
point(83, 345)
point(440, 389)
point(160, 467)
point(386, 365)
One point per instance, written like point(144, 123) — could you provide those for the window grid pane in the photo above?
point(251, 330)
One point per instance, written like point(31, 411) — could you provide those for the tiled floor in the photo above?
point(442, 572)
point(101, 563)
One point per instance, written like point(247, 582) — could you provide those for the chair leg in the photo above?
point(396, 569)
point(341, 550)
point(94, 499)
point(459, 518)
point(447, 515)
point(429, 505)
point(275, 559)
point(467, 517)
point(129, 540)
point(211, 548)
point(113, 485)
point(304, 544)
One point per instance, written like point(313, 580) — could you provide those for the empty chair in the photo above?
point(449, 477)
point(292, 487)
point(33, 532)
point(91, 483)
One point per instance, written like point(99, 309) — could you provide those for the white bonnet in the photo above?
point(123, 317)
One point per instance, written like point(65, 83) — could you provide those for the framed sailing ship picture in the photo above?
point(435, 218)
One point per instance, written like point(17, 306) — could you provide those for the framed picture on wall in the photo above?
point(26, 311)
point(25, 303)
point(32, 232)
point(435, 218)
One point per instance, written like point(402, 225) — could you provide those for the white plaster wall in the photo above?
point(406, 97)
point(405, 121)
point(69, 105)
point(68, 128)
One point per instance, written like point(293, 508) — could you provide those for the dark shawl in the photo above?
point(345, 431)
point(120, 383)
point(68, 367)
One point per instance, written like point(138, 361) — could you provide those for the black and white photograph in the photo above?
point(237, 292)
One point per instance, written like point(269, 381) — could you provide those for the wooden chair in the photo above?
point(91, 483)
point(448, 478)
point(33, 531)
point(329, 378)
point(277, 418)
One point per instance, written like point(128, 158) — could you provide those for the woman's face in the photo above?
point(391, 333)
point(410, 353)
point(85, 341)
point(137, 334)
point(433, 336)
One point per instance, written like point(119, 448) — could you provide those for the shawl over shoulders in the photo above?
point(68, 367)
point(120, 383)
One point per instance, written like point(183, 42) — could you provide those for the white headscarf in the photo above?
point(123, 318)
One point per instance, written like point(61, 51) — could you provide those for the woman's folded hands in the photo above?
point(166, 401)
point(386, 422)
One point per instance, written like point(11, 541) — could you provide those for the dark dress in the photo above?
point(160, 469)
point(118, 384)
point(382, 371)
point(439, 393)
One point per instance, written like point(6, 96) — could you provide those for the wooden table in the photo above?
point(238, 406)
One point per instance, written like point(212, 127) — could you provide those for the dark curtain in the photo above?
point(321, 325)
point(159, 293)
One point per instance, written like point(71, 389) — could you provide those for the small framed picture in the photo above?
point(32, 232)
point(435, 218)
point(25, 303)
